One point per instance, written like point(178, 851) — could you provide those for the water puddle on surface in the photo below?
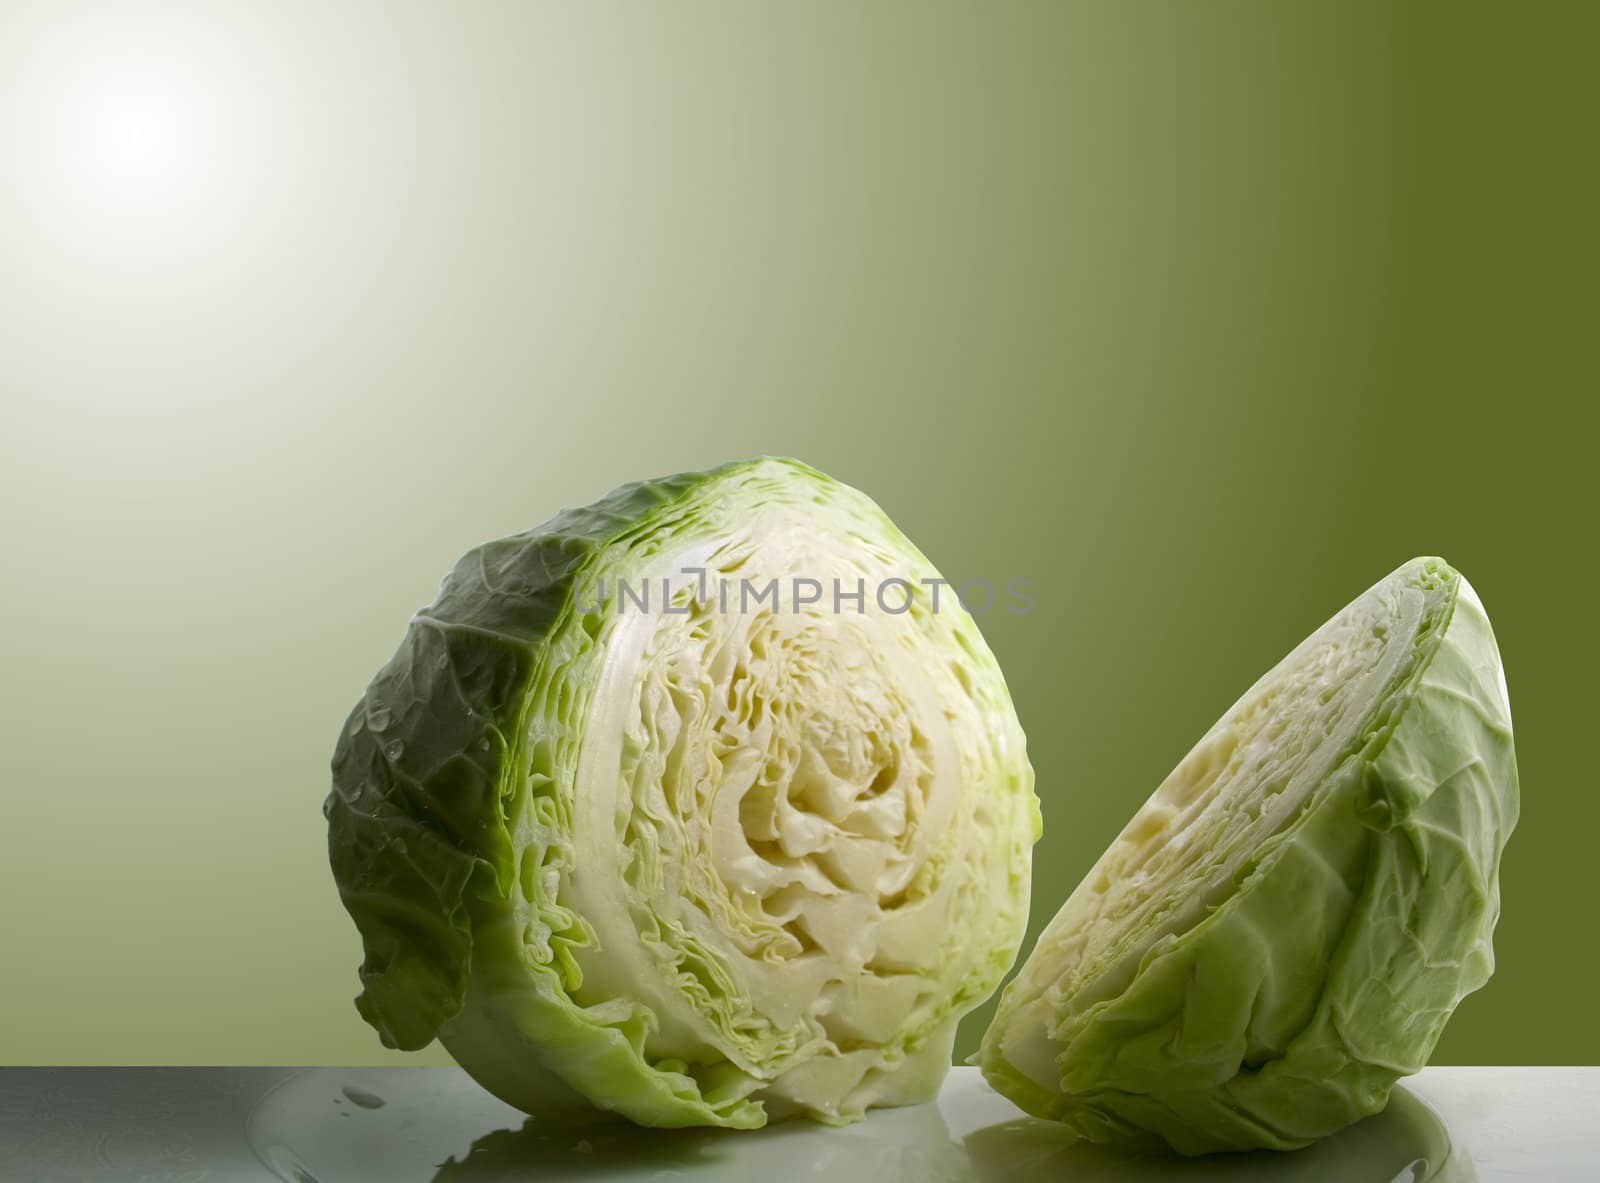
point(354, 1125)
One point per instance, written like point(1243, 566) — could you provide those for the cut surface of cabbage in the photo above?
point(625, 829)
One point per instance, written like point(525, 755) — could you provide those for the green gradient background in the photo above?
point(1201, 317)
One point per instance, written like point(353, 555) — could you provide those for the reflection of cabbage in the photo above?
point(1284, 927)
point(1406, 1142)
point(699, 865)
point(911, 1144)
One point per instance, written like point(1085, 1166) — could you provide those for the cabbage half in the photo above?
point(1285, 925)
point(703, 860)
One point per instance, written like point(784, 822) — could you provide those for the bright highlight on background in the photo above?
point(137, 139)
point(140, 160)
point(130, 138)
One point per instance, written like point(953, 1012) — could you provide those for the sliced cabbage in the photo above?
point(1285, 925)
point(687, 850)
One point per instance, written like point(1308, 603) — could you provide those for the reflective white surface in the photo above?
point(333, 1125)
point(433, 1125)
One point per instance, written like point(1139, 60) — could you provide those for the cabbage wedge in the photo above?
point(1283, 928)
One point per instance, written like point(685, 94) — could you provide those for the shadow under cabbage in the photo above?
point(1406, 1143)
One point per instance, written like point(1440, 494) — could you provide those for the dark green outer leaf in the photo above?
point(433, 754)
